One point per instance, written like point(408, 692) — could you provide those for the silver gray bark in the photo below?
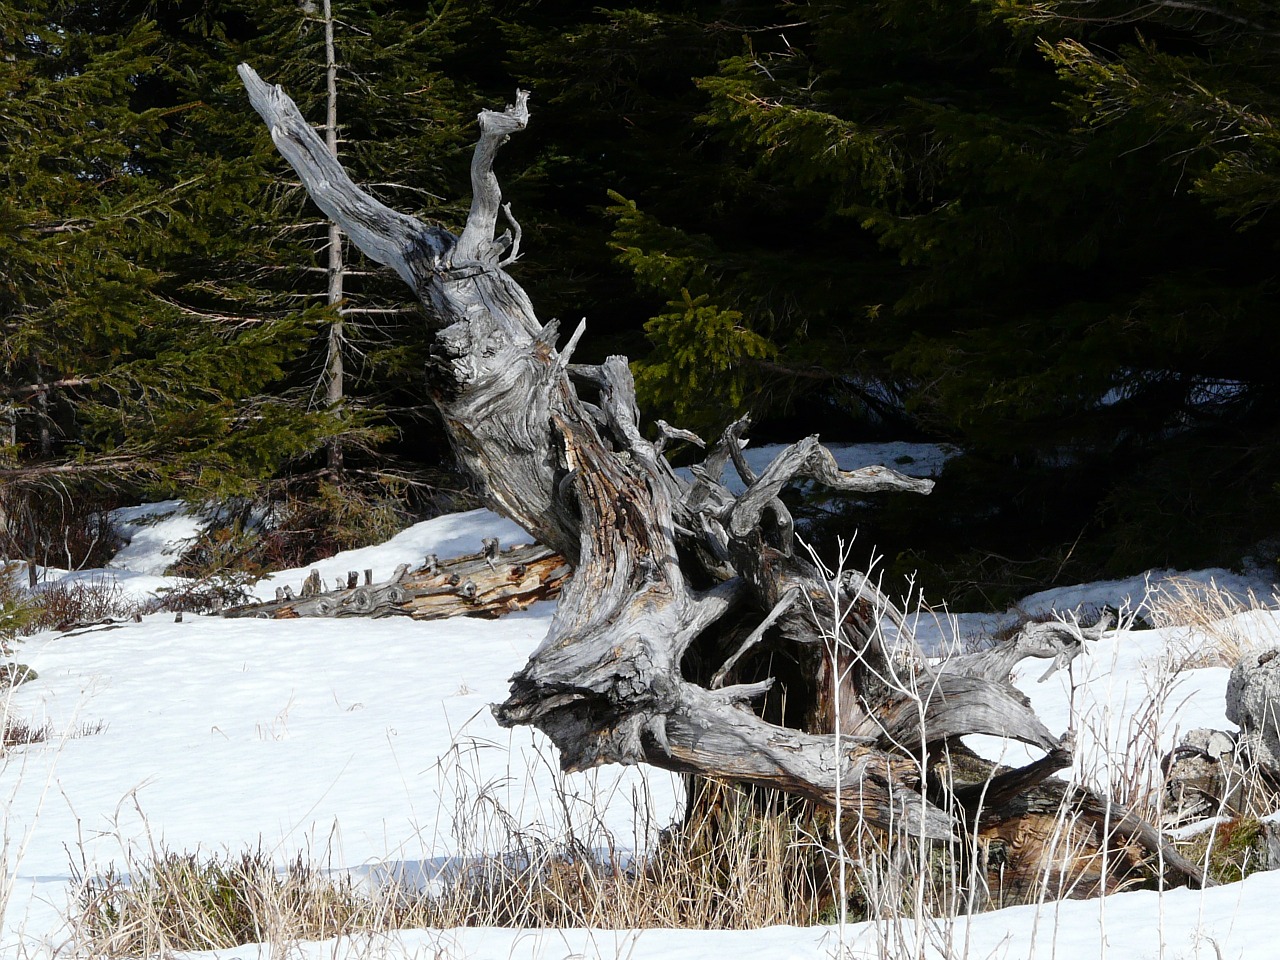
point(662, 563)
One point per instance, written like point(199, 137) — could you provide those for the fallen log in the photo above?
point(1037, 835)
point(485, 584)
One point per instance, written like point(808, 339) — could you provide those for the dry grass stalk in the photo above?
point(192, 901)
point(20, 732)
point(1219, 631)
point(743, 860)
point(738, 866)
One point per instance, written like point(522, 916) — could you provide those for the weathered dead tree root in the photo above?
point(662, 564)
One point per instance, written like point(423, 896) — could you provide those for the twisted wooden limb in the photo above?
point(387, 236)
point(663, 566)
point(1060, 641)
point(606, 683)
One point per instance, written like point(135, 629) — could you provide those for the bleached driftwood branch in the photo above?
point(668, 572)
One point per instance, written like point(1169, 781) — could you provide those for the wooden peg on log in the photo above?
point(312, 587)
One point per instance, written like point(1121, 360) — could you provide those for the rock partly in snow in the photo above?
point(1253, 702)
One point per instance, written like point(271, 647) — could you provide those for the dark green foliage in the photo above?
point(1038, 231)
point(110, 373)
point(701, 366)
point(615, 106)
point(400, 126)
point(165, 279)
point(1042, 231)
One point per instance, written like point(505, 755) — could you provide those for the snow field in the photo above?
point(355, 742)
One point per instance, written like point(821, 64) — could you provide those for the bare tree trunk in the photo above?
point(8, 458)
point(8, 429)
point(42, 411)
point(15, 499)
point(11, 499)
point(334, 373)
point(666, 569)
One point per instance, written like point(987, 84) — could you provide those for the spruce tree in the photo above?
point(107, 378)
point(979, 222)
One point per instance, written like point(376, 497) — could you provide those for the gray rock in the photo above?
point(1215, 744)
point(1202, 778)
point(1271, 837)
point(1253, 704)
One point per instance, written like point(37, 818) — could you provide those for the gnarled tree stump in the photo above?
point(667, 570)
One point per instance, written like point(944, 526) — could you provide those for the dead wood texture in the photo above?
point(678, 584)
point(485, 584)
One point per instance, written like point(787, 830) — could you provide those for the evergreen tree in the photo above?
point(251, 253)
point(616, 108)
point(968, 216)
point(1041, 230)
point(375, 69)
point(105, 378)
point(400, 120)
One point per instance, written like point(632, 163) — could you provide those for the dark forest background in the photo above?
point(1040, 230)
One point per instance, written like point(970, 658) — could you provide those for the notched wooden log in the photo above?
point(490, 583)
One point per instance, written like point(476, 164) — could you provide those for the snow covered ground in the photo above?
point(347, 740)
point(352, 742)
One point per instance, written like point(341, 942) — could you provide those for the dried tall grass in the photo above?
point(739, 865)
point(1219, 628)
point(194, 901)
point(743, 859)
